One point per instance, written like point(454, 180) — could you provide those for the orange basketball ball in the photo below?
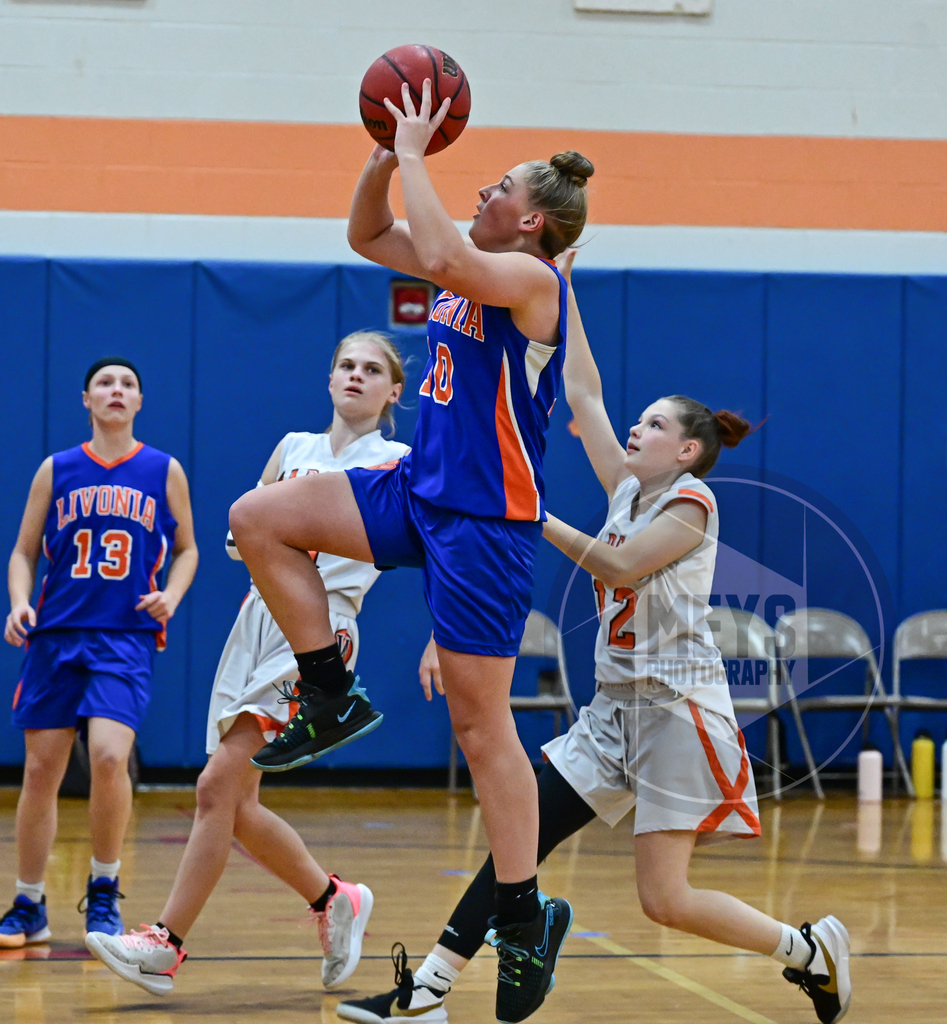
point(412, 64)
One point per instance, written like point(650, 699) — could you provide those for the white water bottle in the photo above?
point(870, 768)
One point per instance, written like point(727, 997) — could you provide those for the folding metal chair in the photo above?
point(541, 639)
point(809, 633)
point(741, 634)
point(921, 636)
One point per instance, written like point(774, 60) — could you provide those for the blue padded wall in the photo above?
point(922, 581)
point(847, 371)
point(23, 284)
point(260, 338)
point(145, 312)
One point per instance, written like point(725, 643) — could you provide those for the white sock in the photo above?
point(109, 871)
point(32, 890)
point(436, 973)
point(793, 950)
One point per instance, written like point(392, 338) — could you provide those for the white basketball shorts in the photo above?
point(255, 661)
point(682, 766)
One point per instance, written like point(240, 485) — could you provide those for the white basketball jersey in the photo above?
point(346, 580)
point(657, 629)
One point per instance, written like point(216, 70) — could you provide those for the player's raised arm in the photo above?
point(493, 274)
point(373, 231)
point(583, 385)
point(25, 557)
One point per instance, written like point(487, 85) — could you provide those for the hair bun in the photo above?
point(573, 166)
point(732, 427)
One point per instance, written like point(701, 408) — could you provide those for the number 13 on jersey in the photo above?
point(115, 563)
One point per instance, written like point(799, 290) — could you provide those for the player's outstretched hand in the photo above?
point(415, 128)
point(15, 632)
point(160, 605)
point(564, 262)
point(430, 670)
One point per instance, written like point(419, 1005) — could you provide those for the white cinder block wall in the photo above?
point(872, 68)
point(857, 87)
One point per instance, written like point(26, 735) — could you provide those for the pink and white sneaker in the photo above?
point(341, 928)
point(146, 958)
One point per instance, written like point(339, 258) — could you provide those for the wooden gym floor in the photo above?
point(882, 870)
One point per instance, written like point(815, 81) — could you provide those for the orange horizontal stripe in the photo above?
point(309, 170)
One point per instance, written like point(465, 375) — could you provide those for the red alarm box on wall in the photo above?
point(410, 303)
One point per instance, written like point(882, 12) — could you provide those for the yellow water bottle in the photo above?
point(922, 766)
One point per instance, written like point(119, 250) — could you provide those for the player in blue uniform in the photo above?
point(466, 505)
point(108, 515)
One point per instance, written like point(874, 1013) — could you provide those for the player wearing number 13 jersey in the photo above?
point(107, 537)
point(109, 515)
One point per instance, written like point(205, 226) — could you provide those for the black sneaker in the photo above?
point(393, 1007)
point(831, 993)
point(321, 724)
point(527, 955)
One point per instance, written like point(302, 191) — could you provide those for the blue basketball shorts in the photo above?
point(75, 674)
point(478, 572)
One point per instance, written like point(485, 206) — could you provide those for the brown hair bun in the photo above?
point(732, 427)
point(713, 429)
point(574, 166)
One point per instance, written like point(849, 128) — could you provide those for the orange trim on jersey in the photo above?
point(732, 792)
point(16, 694)
point(686, 492)
point(87, 448)
point(385, 465)
point(522, 499)
point(161, 635)
point(42, 589)
point(269, 725)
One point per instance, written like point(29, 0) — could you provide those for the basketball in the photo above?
point(412, 64)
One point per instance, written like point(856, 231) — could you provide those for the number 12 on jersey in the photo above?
point(626, 601)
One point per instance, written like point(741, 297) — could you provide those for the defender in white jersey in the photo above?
point(257, 658)
point(660, 733)
point(659, 673)
point(252, 701)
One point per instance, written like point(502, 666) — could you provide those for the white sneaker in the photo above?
point(146, 958)
point(825, 979)
point(341, 929)
point(418, 1002)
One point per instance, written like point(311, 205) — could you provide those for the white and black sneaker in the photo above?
point(408, 999)
point(321, 724)
point(825, 979)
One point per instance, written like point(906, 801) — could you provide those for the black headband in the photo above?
point(110, 361)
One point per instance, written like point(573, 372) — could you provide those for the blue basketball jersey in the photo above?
point(486, 397)
point(108, 535)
